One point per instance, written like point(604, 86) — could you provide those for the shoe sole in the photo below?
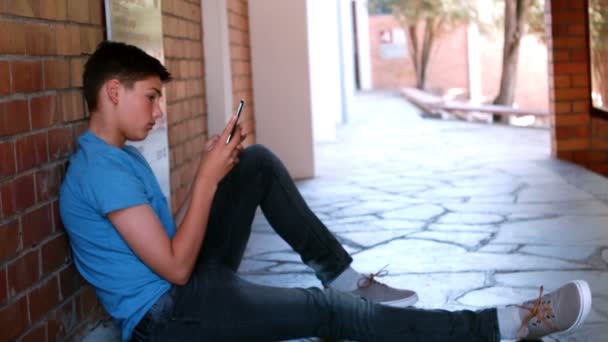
point(403, 302)
point(585, 292)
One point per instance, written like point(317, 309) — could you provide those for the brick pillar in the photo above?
point(186, 103)
point(43, 46)
point(240, 61)
point(569, 82)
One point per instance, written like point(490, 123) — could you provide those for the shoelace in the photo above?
point(367, 280)
point(540, 309)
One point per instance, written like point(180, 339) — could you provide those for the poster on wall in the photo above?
point(393, 44)
point(139, 22)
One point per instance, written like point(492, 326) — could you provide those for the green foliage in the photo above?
point(378, 7)
point(535, 19)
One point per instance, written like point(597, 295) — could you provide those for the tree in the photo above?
point(424, 21)
point(598, 31)
point(518, 16)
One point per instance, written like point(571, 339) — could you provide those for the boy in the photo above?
point(175, 280)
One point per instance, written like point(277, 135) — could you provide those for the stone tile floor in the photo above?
point(468, 215)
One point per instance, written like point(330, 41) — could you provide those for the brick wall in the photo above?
point(575, 135)
point(449, 65)
point(240, 60)
point(186, 104)
point(43, 45)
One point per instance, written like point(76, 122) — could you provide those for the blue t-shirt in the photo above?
point(102, 178)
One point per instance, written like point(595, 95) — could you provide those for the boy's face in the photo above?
point(139, 108)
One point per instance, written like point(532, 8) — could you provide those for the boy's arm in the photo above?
point(173, 259)
point(183, 209)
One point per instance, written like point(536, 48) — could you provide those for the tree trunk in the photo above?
point(420, 54)
point(515, 21)
point(427, 44)
point(413, 39)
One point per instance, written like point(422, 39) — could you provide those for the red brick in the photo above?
point(601, 168)
point(14, 117)
point(78, 11)
point(55, 253)
point(579, 55)
point(7, 156)
point(36, 226)
point(561, 56)
point(236, 6)
point(43, 111)
point(76, 69)
point(86, 301)
point(578, 30)
point(26, 76)
point(36, 334)
point(71, 106)
point(41, 39)
point(574, 144)
point(60, 143)
point(597, 156)
point(568, 42)
point(581, 106)
point(70, 281)
point(96, 12)
point(17, 194)
point(62, 321)
point(599, 128)
point(56, 74)
point(43, 298)
point(56, 9)
point(5, 83)
point(564, 155)
point(23, 273)
point(14, 319)
point(79, 129)
point(599, 143)
point(12, 37)
point(68, 40)
point(3, 290)
point(9, 241)
point(572, 94)
point(564, 132)
point(48, 182)
point(568, 17)
point(57, 223)
point(580, 80)
point(570, 68)
point(581, 157)
point(24, 8)
point(31, 151)
point(561, 81)
point(90, 37)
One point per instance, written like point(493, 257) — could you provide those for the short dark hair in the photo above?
point(124, 62)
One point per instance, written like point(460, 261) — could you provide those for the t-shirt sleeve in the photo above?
point(113, 188)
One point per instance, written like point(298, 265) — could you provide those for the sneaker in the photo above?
point(377, 292)
point(560, 311)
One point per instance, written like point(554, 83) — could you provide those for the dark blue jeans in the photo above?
point(217, 305)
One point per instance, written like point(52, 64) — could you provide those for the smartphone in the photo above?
point(238, 116)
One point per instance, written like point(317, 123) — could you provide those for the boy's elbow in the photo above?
point(180, 277)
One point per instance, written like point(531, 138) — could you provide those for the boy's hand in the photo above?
point(211, 142)
point(220, 158)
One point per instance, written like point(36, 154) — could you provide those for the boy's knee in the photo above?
point(257, 152)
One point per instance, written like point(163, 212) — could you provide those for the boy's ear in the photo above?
point(112, 89)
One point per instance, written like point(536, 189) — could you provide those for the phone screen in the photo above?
point(238, 116)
